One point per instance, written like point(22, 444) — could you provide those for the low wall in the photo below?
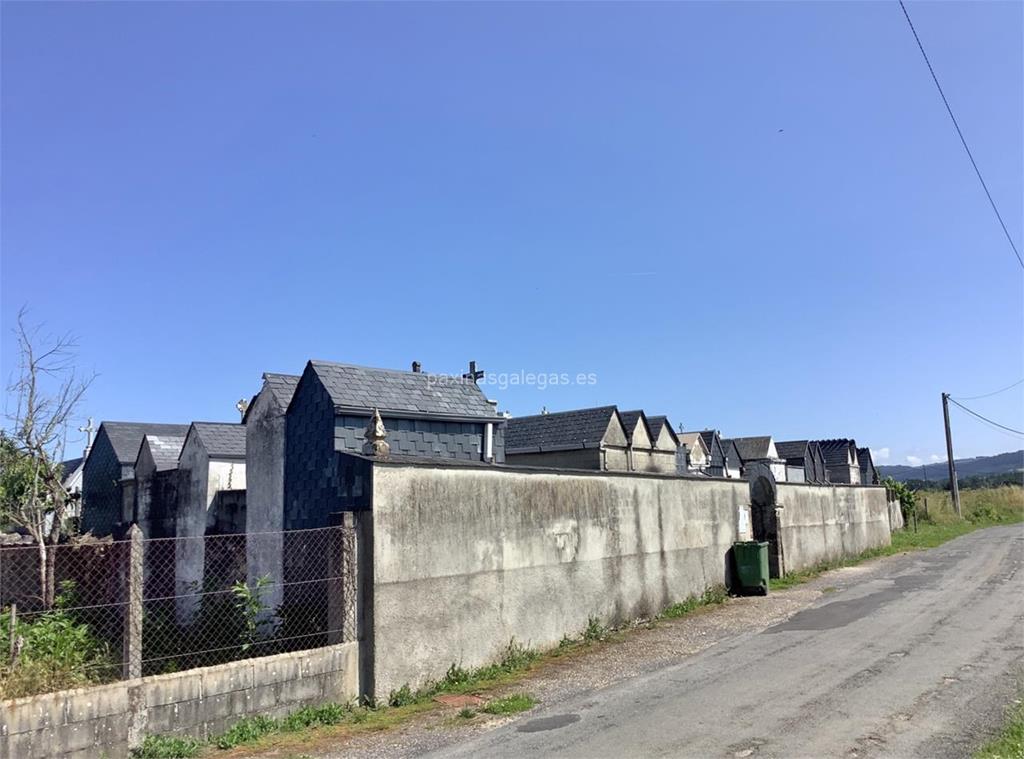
point(467, 558)
point(116, 717)
point(819, 523)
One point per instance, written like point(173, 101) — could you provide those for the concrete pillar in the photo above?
point(344, 599)
point(132, 635)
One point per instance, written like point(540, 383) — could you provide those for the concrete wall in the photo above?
point(819, 523)
point(110, 720)
point(467, 558)
point(264, 501)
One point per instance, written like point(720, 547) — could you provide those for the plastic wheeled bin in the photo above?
point(751, 557)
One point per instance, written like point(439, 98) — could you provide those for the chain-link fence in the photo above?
point(97, 611)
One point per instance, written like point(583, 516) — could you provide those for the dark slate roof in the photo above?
point(165, 450)
point(360, 388)
point(708, 436)
point(68, 468)
point(629, 419)
point(836, 452)
point(126, 437)
point(282, 386)
point(792, 450)
point(752, 448)
point(221, 439)
point(658, 421)
point(732, 454)
point(565, 430)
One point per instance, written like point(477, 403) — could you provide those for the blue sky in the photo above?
point(755, 217)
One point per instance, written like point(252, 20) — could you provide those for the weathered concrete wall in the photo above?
point(110, 720)
point(467, 558)
point(264, 500)
point(190, 527)
point(819, 523)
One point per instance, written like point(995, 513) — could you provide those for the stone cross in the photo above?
point(473, 374)
point(88, 430)
point(375, 435)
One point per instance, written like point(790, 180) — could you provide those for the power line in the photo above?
point(986, 419)
point(962, 138)
point(996, 392)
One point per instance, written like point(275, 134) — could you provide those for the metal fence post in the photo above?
point(132, 636)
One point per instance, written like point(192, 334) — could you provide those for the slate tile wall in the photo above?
point(309, 462)
point(101, 493)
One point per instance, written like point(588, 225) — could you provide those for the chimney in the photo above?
point(416, 367)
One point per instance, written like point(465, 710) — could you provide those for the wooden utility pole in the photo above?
point(954, 489)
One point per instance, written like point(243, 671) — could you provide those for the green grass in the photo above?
point(711, 596)
point(168, 747)
point(517, 702)
point(985, 507)
point(1009, 744)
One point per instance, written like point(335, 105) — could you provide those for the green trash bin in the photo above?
point(751, 558)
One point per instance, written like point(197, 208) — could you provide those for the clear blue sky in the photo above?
point(203, 192)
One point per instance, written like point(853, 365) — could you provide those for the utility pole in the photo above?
point(954, 489)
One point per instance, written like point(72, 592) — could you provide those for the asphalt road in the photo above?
point(917, 657)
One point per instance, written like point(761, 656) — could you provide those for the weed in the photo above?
point(517, 702)
point(715, 594)
point(594, 631)
point(1010, 743)
point(403, 696)
point(360, 716)
point(565, 642)
point(247, 730)
point(312, 716)
point(167, 747)
point(454, 677)
point(467, 713)
point(58, 651)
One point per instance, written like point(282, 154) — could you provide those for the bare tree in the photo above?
point(48, 392)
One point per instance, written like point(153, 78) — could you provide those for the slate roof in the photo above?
point(165, 450)
point(221, 439)
point(836, 451)
point(126, 437)
point(658, 421)
point(361, 388)
point(793, 450)
point(708, 436)
point(867, 464)
point(752, 448)
point(564, 430)
point(629, 419)
point(731, 453)
point(282, 386)
point(69, 467)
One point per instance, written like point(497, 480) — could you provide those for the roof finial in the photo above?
point(375, 435)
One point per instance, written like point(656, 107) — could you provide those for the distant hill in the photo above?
point(1001, 463)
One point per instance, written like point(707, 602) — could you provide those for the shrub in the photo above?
point(57, 652)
